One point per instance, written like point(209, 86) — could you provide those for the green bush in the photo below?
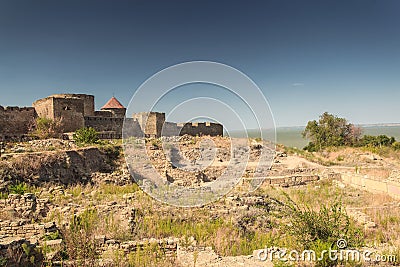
point(86, 136)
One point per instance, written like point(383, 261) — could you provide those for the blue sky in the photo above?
point(307, 57)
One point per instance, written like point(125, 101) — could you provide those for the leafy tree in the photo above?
point(330, 130)
point(85, 136)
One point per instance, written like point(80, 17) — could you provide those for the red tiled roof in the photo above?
point(113, 103)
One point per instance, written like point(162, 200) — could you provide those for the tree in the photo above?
point(330, 130)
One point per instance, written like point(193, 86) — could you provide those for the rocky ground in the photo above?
point(81, 207)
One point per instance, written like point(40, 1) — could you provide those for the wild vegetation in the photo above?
point(44, 128)
point(332, 131)
point(86, 136)
point(310, 217)
point(304, 217)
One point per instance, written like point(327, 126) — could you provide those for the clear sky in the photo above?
point(308, 57)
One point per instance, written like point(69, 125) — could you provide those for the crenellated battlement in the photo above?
point(201, 128)
point(13, 109)
point(198, 124)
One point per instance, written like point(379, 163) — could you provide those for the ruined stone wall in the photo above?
point(58, 167)
point(203, 128)
point(25, 206)
point(370, 184)
point(15, 122)
point(169, 245)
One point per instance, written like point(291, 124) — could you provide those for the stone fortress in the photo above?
point(76, 111)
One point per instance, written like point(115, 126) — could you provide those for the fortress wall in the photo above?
point(116, 112)
point(104, 124)
point(77, 111)
point(103, 113)
point(71, 120)
point(203, 128)
point(170, 129)
point(15, 122)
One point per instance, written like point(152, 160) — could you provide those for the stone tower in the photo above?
point(69, 108)
point(154, 122)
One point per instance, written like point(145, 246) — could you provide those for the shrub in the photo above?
point(326, 224)
point(85, 136)
point(22, 254)
point(44, 128)
point(396, 145)
point(377, 141)
point(79, 239)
